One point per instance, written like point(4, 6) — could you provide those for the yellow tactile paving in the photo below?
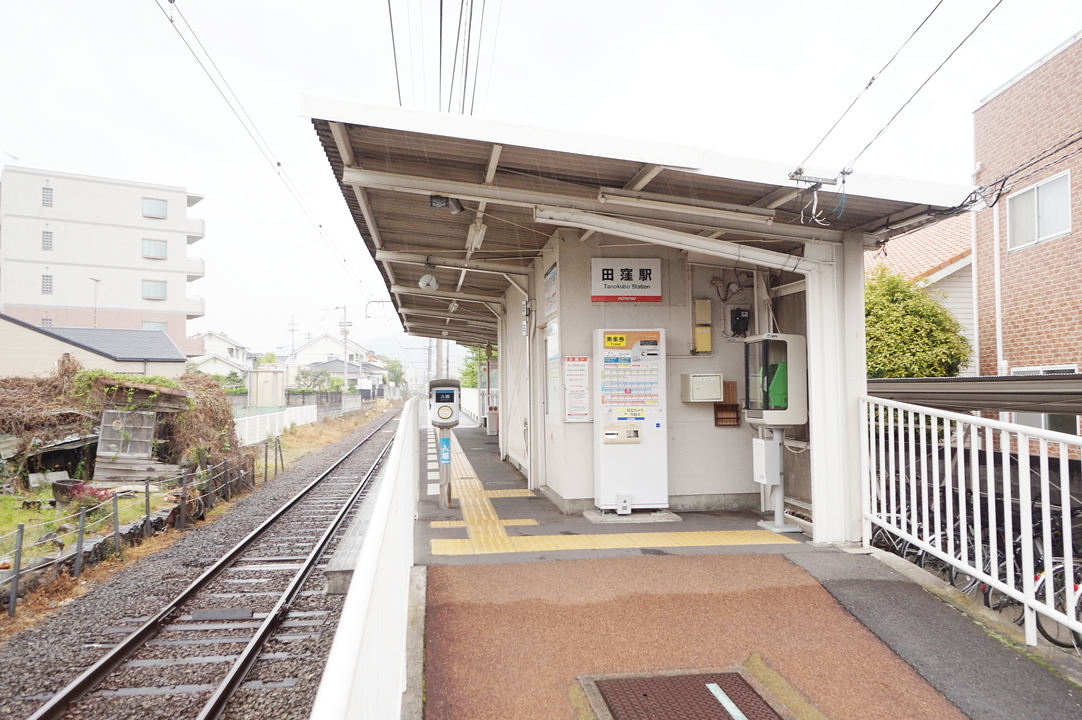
point(462, 523)
point(523, 492)
point(538, 543)
point(486, 533)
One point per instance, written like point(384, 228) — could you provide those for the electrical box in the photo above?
point(445, 397)
point(766, 460)
point(702, 387)
point(702, 339)
point(739, 321)
point(702, 325)
point(776, 380)
point(702, 311)
point(630, 429)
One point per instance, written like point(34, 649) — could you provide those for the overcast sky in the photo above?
point(110, 89)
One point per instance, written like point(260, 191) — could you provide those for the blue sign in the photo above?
point(445, 451)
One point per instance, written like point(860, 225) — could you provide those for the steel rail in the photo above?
point(56, 706)
point(215, 706)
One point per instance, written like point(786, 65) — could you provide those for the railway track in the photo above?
point(262, 602)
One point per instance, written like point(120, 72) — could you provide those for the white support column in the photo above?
point(833, 331)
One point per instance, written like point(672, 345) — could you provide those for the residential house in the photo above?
point(327, 347)
point(1028, 264)
point(81, 251)
point(32, 350)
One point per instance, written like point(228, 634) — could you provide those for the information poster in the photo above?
point(552, 358)
point(551, 291)
point(576, 389)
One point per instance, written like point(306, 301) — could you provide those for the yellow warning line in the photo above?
point(486, 534)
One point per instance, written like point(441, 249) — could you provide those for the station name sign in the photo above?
point(625, 279)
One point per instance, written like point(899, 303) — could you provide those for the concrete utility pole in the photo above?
point(345, 348)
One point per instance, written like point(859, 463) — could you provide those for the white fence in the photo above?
point(986, 504)
point(365, 674)
point(257, 428)
point(471, 403)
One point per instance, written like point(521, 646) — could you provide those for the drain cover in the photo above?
point(679, 697)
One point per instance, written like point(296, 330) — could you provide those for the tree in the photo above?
point(909, 332)
point(310, 379)
point(268, 358)
point(470, 366)
point(393, 366)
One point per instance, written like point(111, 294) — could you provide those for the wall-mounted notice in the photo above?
point(551, 295)
point(576, 389)
point(625, 279)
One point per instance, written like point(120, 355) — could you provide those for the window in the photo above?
point(46, 239)
point(47, 284)
point(155, 208)
point(147, 325)
point(46, 322)
point(154, 289)
point(46, 197)
point(155, 249)
point(1040, 213)
point(1047, 421)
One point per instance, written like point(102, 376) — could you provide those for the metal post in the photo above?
point(445, 468)
point(225, 467)
point(182, 515)
point(225, 483)
point(116, 525)
point(78, 568)
point(146, 508)
point(276, 457)
point(281, 454)
point(16, 567)
point(266, 446)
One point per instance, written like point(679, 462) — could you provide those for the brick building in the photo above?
point(1028, 264)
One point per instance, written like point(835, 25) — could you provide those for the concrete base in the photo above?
point(677, 503)
point(638, 516)
point(413, 698)
point(772, 527)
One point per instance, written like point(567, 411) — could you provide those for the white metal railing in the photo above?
point(990, 502)
point(365, 674)
point(257, 428)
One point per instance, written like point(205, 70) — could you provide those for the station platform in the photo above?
point(530, 613)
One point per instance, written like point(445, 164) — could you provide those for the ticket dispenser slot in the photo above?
point(622, 433)
point(630, 428)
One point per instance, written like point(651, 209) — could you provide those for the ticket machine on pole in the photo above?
point(445, 397)
point(776, 386)
point(631, 436)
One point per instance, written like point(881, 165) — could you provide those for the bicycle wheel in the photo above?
point(1054, 632)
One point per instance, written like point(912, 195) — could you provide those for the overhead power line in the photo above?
point(237, 108)
point(873, 79)
point(394, 52)
point(852, 162)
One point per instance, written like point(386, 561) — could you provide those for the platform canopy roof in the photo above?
point(472, 202)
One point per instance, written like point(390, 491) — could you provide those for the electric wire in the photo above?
point(439, 89)
point(409, 45)
point(873, 79)
point(253, 132)
point(852, 162)
point(492, 58)
point(476, 69)
point(394, 52)
point(454, 65)
point(466, 60)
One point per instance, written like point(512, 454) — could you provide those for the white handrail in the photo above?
point(365, 674)
point(989, 498)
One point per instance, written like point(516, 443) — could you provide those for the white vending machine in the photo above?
point(630, 438)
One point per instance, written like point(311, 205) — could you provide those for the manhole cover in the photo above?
point(724, 696)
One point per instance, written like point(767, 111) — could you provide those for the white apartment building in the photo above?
point(81, 251)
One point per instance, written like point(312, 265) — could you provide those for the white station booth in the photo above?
point(674, 328)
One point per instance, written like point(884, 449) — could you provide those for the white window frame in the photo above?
point(157, 243)
point(1035, 187)
point(150, 296)
point(46, 196)
point(1043, 370)
point(46, 284)
point(151, 210)
point(157, 325)
point(47, 240)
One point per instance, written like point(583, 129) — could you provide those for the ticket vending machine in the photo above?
point(445, 398)
point(776, 387)
point(630, 433)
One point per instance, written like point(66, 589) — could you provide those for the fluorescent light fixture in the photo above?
point(661, 202)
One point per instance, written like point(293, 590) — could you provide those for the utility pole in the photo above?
point(345, 347)
point(439, 359)
point(292, 335)
point(96, 281)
